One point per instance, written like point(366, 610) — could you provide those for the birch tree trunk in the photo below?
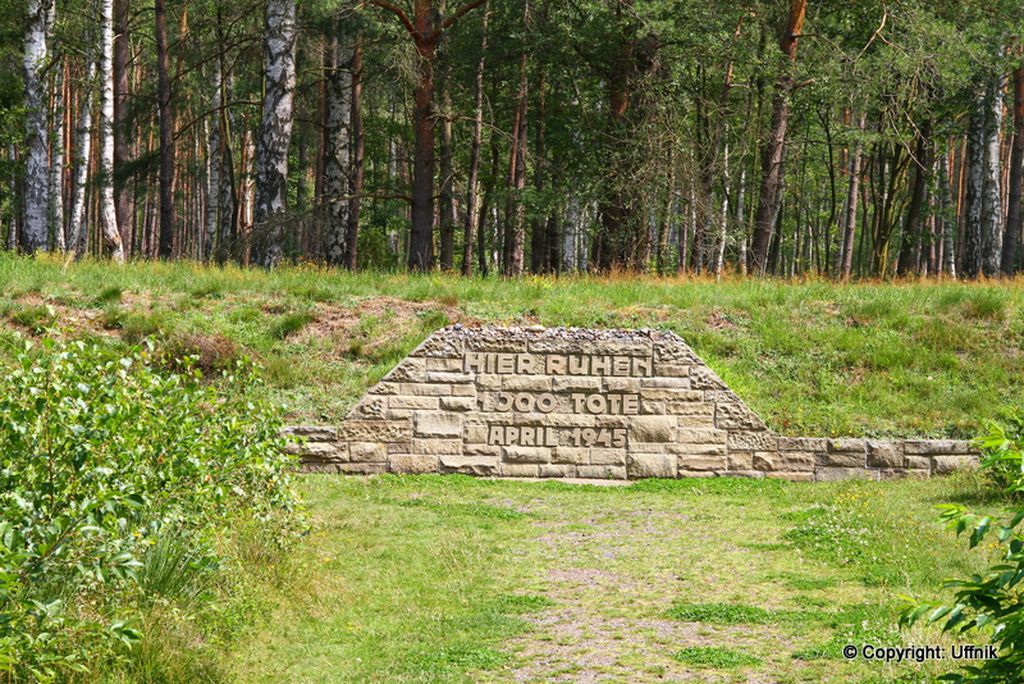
point(973, 221)
point(36, 196)
point(213, 178)
point(337, 163)
point(991, 203)
point(111, 236)
point(83, 144)
point(948, 222)
point(271, 157)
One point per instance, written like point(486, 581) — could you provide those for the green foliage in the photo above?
point(721, 614)
point(115, 479)
point(989, 604)
point(715, 656)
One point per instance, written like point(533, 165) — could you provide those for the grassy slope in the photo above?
point(813, 358)
point(444, 579)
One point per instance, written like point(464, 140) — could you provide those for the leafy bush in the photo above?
point(109, 468)
point(989, 605)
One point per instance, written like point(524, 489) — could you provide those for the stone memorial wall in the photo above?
point(588, 404)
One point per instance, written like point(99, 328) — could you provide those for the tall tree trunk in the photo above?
point(36, 196)
point(472, 185)
point(166, 114)
point(852, 196)
point(1011, 240)
point(83, 141)
point(271, 155)
point(992, 206)
point(57, 154)
point(421, 238)
point(773, 155)
point(358, 146)
point(213, 179)
point(447, 199)
point(910, 246)
point(515, 214)
point(338, 160)
point(124, 199)
point(973, 221)
point(949, 223)
point(111, 236)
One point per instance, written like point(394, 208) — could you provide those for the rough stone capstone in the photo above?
point(582, 403)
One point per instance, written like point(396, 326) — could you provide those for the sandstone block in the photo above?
point(795, 460)
point(831, 474)
point(653, 408)
point(436, 445)
point(803, 444)
point(760, 440)
point(665, 383)
point(739, 460)
point(526, 383)
point(448, 377)
point(565, 454)
point(700, 462)
point(526, 455)
point(698, 449)
point(884, 455)
point(651, 465)
point(847, 444)
point(488, 382)
point(412, 369)
point(701, 436)
point(672, 370)
point(458, 404)
point(481, 450)
point(672, 395)
point(413, 403)
point(841, 460)
point(793, 476)
point(436, 425)
point(518, 470)
point(412, 464)
point(652, 428)
point(366, 452)
point(937, 447)
point(601, 472)
point(608, 457)
point(697, 473)
point(371, 407)
point(630, 385)
point(442, 364)
point(572, 383)
point(674, 351)
point(557, 470)
point(320, 451)
point(736, 416)
point(441, 345)
point(947, 464)
point(702, 377)
point(469, 465)
point(464, 390)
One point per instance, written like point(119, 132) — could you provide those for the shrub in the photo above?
point(109, 467)
point(988, 605)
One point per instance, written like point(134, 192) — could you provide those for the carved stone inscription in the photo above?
point(594, 403)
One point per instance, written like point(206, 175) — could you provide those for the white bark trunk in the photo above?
point(37, 181)
point(336, 170)
point(108, 214)
point(83, 144)
point(991, 202)
point(213, 160)
point(271, 160)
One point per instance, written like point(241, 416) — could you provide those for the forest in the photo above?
point(842, 140)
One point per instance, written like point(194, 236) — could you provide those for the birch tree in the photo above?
point(271, 156)
point(338, 96)
point(108, 214)
point(37, 174)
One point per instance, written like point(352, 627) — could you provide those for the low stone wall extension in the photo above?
point(584, 404)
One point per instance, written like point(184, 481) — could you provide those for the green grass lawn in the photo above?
point(450, 579)
point(814, 358)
